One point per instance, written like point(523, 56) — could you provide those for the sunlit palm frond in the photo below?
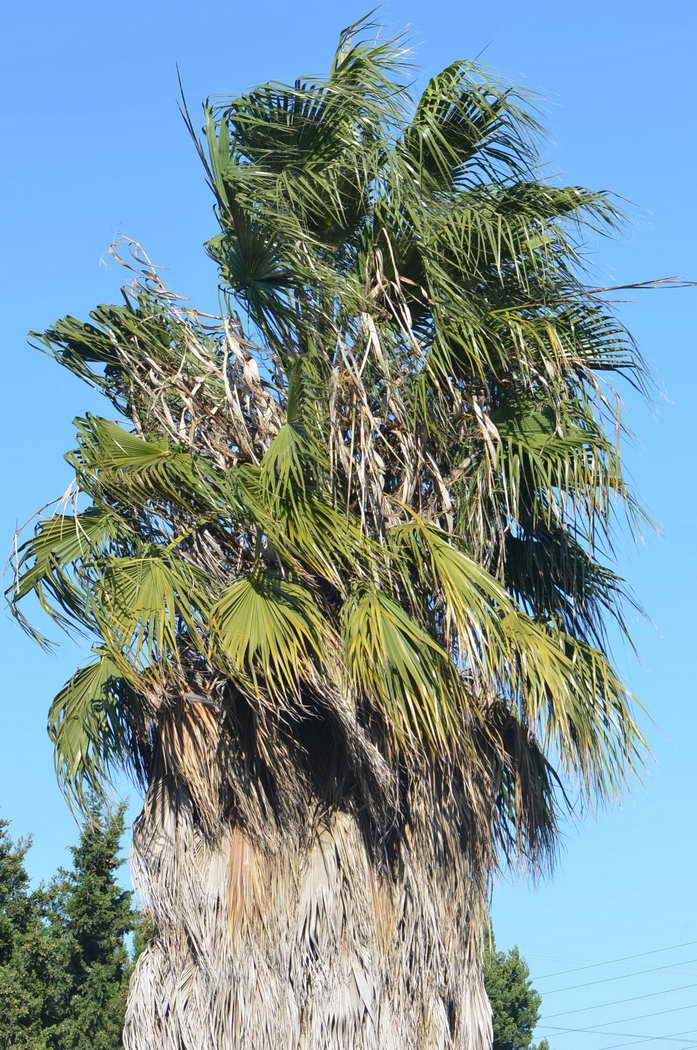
point(472, 598)
point(113, 462)
point(270, 630)
point(52, 564)
point(467, 129)
point(146, 604)
point(393, 659)
point(94, 723)
point(569, 694)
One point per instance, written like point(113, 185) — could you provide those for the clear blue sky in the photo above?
point(94, 146)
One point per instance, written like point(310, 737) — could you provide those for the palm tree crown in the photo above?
point(349, 555)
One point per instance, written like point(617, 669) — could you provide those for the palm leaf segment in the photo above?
point(384, 505)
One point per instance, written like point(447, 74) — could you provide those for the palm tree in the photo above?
point(342, 566)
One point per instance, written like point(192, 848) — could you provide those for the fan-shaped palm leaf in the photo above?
point(269, 629)
point(92, 722)
point(390, 657)
point(145, 603)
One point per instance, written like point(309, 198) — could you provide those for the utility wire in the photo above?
point(626, 1020)
point(622, 1021)
point(621, 977)
point(607, 962)
point(617, 1002)
point(645, 1038)
point(634, 1042)
point(615, 1046)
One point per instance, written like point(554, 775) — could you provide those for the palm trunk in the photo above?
point(304, 947)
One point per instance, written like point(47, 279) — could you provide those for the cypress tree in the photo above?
point(25, 954)
point(514, 1002)
point(91, 919)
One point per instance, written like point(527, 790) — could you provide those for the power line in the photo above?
point(633, 1043)
point(617, 1002)
point(645, 1038)
point(621, 977)
point(608, 962)
point(626, 1020)
point(615, 1046)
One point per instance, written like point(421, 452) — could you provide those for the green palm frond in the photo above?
point(79, 345)
point(568, 692)
point(556, 580)
point(298, 528)
point(391, 658)
point(146, 604)
point(270, 630)
point(294, 461)
point(252, 262)
point(92, 722)
point(554, 465)
point(471, 596)
point(53, 564)
point(112, 447)
point(312, 127)
point(467, 129)
point(286, 465)
point(562, 687)
point(311, 532)
point(530, 793)
point(114, 462)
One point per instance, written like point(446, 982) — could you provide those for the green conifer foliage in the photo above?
point(24, 952)
point(92, 916)
point(514, 1002)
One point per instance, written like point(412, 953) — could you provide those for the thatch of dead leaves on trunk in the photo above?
point(343, 565)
